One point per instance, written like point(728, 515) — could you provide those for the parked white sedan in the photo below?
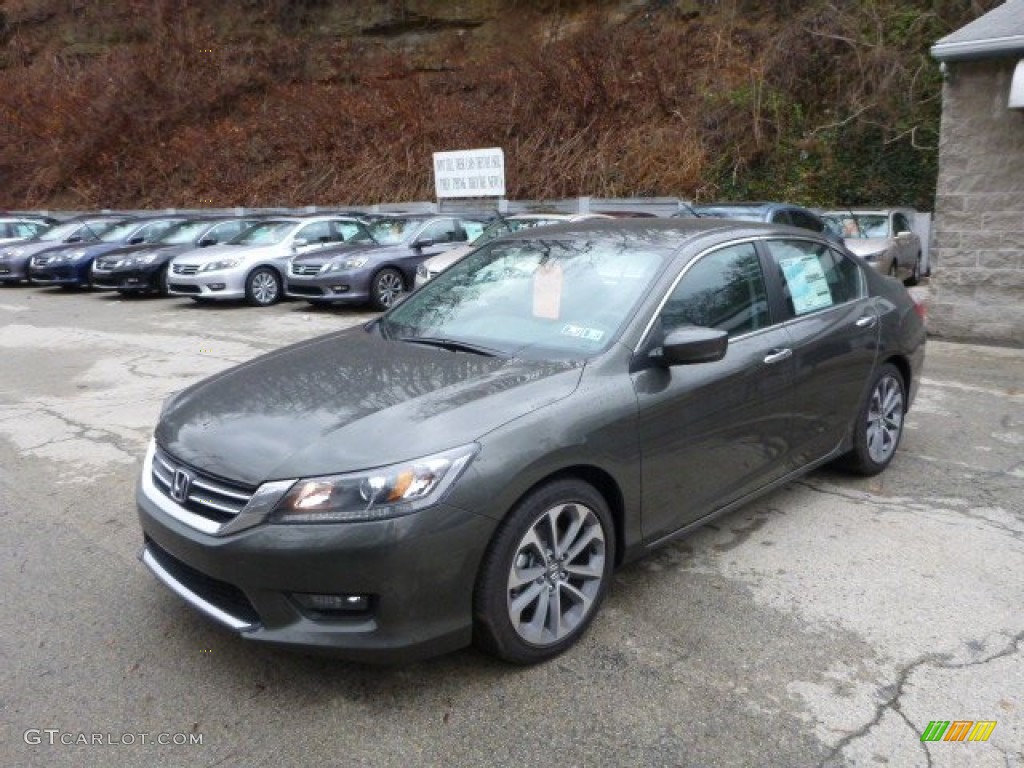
point(252, 266)
point(883, 237)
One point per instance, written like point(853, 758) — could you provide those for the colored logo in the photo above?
point(958, 730)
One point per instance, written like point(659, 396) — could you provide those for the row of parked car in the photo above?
point(343, 258)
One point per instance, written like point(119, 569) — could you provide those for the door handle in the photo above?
point(777, 356)
point(868, 321)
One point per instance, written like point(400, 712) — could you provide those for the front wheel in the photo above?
point(915, 273)
point(879, 425)
point(262, 287)
point(386, 288)
point(545, 573)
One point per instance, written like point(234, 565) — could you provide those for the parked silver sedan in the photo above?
point(883, 237)
point(252, 266)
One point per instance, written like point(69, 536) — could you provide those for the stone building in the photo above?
point(977, 258)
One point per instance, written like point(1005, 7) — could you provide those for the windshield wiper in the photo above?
point(454, 345)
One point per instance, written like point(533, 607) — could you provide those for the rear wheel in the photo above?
point(262, 287)
point(545, 573)
point(915, 273)
point(894, 268)
point(163, 282)
point(879, 424)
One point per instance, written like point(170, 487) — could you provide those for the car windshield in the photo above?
point(861, 224)
point(354, 232)
point(538, 299)
point(266, 233)
point(62, 232)
point(393, 230)
point(120, 232)
point(501, 227)
point(185, 232)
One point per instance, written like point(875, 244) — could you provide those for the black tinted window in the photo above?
point(724, 289)
point(900, 224)
point(806, 221)
point(815, 276)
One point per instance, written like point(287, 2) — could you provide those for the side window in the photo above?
point(900, 223)
point(472, 228)
point(154, 231)
point(441, 231)
point(806, 221)
point(317, 232)
point(724, 289)
point(815, 276)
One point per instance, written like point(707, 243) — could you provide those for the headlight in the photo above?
point(375, 494)
point(77, 253)
point(874, 256)
point(213, 266)
point(138, 258)
point(338, 266)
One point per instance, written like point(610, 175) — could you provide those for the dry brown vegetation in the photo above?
point(186, 103)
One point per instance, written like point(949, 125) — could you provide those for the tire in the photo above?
point(163, 282)
point(535, 596)
point(915, 273)
point(263, 287)
point(879, 425)
point(387, 286)
point(894, 268)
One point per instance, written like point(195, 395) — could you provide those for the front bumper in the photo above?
point(222, 284)
point(418, 572)
point(60, 274)
point(13, 271)
point(347, 287)
point(128, 279)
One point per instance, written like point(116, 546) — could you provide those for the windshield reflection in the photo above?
point(537, 299)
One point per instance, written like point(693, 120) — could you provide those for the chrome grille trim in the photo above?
point(158, 475)
point(185, 269)
point(306, 269)
point(226, 499)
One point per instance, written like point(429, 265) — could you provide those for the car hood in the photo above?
point(34, 247)
point(863, 246)
point(344, 251)
point(217, 252)
point(350, 401)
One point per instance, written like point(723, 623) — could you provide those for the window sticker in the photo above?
point(547, 291)
point(806, 281)
point(582, 332)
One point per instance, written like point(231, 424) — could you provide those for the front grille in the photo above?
point(180, 288)
point(221, 594)
point(40, 261)
point(305, 290)
point(185, 269)
point(105, 265)
point(305, 269)
point(206, 496)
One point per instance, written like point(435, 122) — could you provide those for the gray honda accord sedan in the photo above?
point(473, 464)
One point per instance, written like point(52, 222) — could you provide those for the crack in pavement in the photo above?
point(892, 702)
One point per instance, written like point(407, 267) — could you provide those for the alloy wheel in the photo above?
point(263, 288)
point(885, 419)
point(556, 574)
point(389, 287)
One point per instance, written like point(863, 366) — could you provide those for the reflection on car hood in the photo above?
point(346, 251)
point(866, 245)
point(350, 401)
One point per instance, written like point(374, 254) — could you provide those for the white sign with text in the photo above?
point(470, 173)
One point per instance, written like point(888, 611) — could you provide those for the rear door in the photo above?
point(713, 432)
point(833, 329)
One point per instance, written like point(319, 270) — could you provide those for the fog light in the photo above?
point(339, 288)
point(333, 604)
point(215, 286)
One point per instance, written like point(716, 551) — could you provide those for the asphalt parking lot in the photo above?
point(826, 624)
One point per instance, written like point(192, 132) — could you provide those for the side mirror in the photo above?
point(207, 241)
point(136, 240)
point(424, 243)
point(685, 346)
point(75, 239)
point(298, 242)
point(903, 235)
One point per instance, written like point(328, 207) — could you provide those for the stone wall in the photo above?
point(977, 286)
